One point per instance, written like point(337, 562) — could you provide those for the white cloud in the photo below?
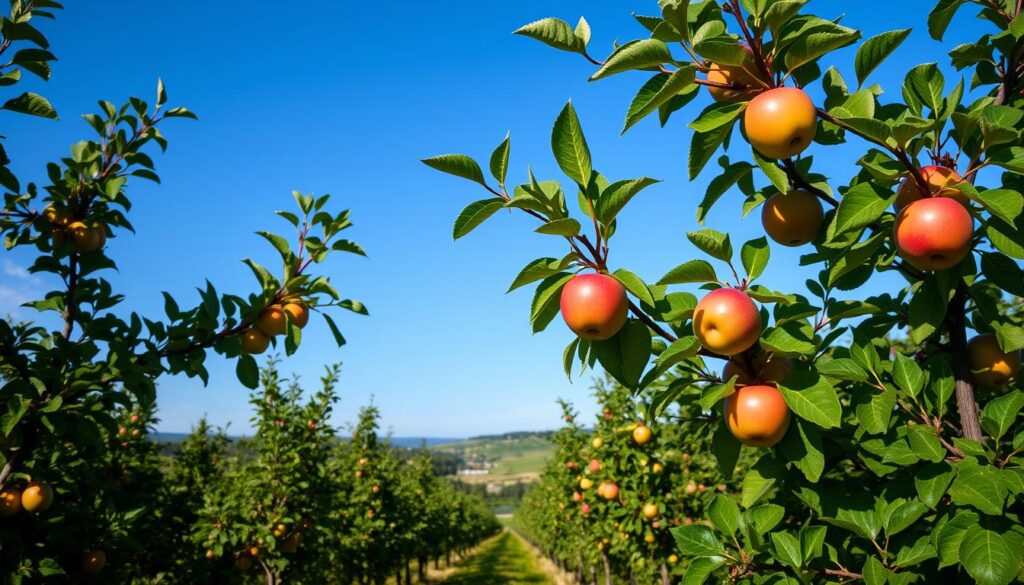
point(18, 287)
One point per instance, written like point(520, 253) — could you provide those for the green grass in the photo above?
point(502, 561)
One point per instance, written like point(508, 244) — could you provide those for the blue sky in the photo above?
point(329, 99)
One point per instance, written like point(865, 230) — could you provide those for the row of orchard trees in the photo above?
point(606, 502)
point(293, 503)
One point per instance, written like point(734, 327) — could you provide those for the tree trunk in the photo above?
point(632, 578)
point(607, 570)
point(665, 580)
point(421, 569)
point(593, 575)
point(408, 572)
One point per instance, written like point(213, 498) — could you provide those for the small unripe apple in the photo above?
point(594, 466)
point(726, 321)
point(990, 365)
point(673, 559)
point(93, 562)
point(254, 342)
point(934, 233)
point(272, 321)
point(37, 497)
point(650, 511)
point(586, 483)
point(10, 502)
point(657, 468)
point(792, 219)
point(757, 415)
point(642, 434)
point(940, 182)
point(298, 313)
point(597, 443)
point(279, 530)
point(594, 306)
point(690, 489)
point(87, 238)
point(781, 122)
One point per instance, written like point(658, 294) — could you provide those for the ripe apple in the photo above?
point(254, 341)
point(701, 488)
point(37, 497)
point(607, 414)
point(594, 466)
point(87, 238)
point(210, 554)
point(726, 321)
point(136, 433)
point(768, 368)
point(940, 182)
point(597, 443)
point(375, 489)
point(585, 509)
point(657, 468)
point(122, 432)
point(359, 473)
point(561, 505)
point(279, 530)
point(611, 491)
point(792, 219)
point(642, 434)
point(686, 458)
point(757, 415)
point(648, 538)
point(594, 306)
point(93, 562)
point(272, 321)
point(673, 559)
point(586, 483)
point(577, 497)
point(363, 461)
point(291, 544)
point(10, 502)
point(990, 365)
point(690, 489)
point(934, 233)
point(298, 313)
point(728, 74)
point(650, 511)
point(134, 419)
point(780, 122)
point(254, 552)
point(570, 464)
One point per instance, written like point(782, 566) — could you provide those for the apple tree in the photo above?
point(886, 427)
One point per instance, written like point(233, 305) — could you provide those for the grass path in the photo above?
point(504, 560)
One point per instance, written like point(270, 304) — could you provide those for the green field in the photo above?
point(514, 458)
point(504, 560)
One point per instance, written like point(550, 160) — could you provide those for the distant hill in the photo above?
point(502, 459)
point(403, 442)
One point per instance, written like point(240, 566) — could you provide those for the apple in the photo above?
point(701, 488)
point(611, 491)
point(122, 432)
point(990, 365)
point(940, 182)
point(673, 559)
point(642, 434)
point(781, 122)
point(757, 415)
point(136, 433)
point(585, 509)
point(648, 538)
point(657, 468)
point(134, 419)
point(93, 562)
point(210, 554)
point(375, 489)
point(10, 502)
point(272, 321)
point(768, 368)
point(597, 443)
point(726, 321)
point(570, 464)
point(37, 497)
point(279, 530)
point(933, 233)
point(577, 497)
point(254, 342)
point(733, 74)
point(607, 414)
point(686, 458)
point(88, 238)
point(586, 483)
point(792, 219)
point(297, 312)
point(254, 552)
point(650, 511)
point(59, 217)
point(594, 306)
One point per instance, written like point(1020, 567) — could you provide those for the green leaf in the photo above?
point(817, 40)
point(754, 255)
point(617, 195)
point(538, 269)
point(570, 147)
point(903, 516)
point(567, 227)
point(247, 371)
point(724, 513)
point(725, 448)
point(568, 356)
point(764, 518)
point(787, 549)
point(719, 185)
point(699, 569)
point(697, 540)
point(927, 310)
point(792, 338)
point(999, 415)
point(546, 300)
point(459, 165)
point(554, 33)
point(812, 398)
point(862, 205)
point(932, 481)
point(874, 571)
point(703, 145)
point(978, 486)
point(871, 54)
point(474, 214)
point(843, 369)
point(635, 285)
point(907, 375)
point(802, 445)
point(1005, 204)
point(926, 83)
point(914, 553)
point(771, 170)
point(626, 354)
point(658, 90)
point(939, 17)
point(812, 539)
point(32, 104)
point(713, 243)
point(499, 160)
point(691, 271)
point(987, 557)
point(717, 115)
point(950, 536)
point(760, 478)
point(925, 444)
point(641, 54)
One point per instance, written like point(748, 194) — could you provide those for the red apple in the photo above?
point(594, 306)
point(726, 321)
point(934, 233)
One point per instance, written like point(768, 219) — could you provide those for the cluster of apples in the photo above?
point(130, 430)
point(36, 497)
point(87, 237)
point(273, 321)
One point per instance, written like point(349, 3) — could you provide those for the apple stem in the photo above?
point(754, 44)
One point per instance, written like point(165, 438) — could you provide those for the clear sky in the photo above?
point(333, 99)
